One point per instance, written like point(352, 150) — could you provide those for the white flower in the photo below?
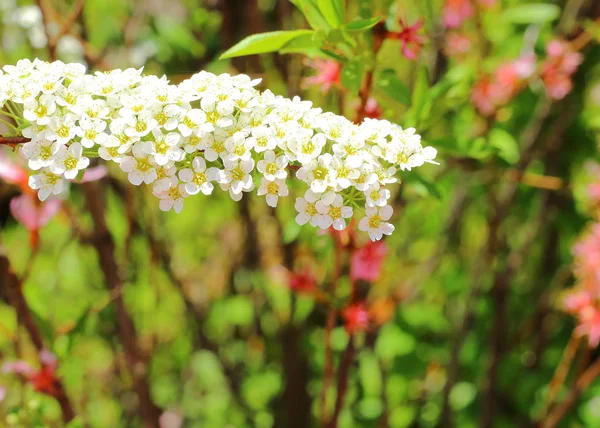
point(375, 223)
point(164, 176)
point(236, 177)
point(318, 173)
point(62, 129)
point(40, 153)
point(262, 139)
point(47, 183)
point(92, 132)
point(191, 121)
point(69, 161)
point(238, 147)
point(366, 177)
point(172, 197)
point(306, 147)
point(307, 207)
point(376, 196)
point(215, 115)
point(140, 126)
point(345, 172)
point(164, 147)
point(333, 213)
point(215, 149)
point(198, 178)
point(139, 167)
point(272, 166)
point(273, 190)
point(40, 110)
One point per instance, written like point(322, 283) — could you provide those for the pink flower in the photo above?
point(2, 393)
point(18, 367)
point(562, 62)
point(328, 74)
point(589, 325)
point(372, 109)
point(356, 318)
point(486, 96)
point(410, 39)
point(11, 172)
point(366, 262)
point(457, 44)
point(587, 259)
point(302, 282)
point(43, 380)
point(578, 300)
point(456, 12)
point(34, 215)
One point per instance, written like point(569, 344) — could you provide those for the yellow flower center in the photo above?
point(311, 209)
point(71, 163)
point(41, 110)
point(188, 122)
point(320, 172)
point(335, 212)
point(140, 126)
point(239, 150)
point(272, 188)
point(49, 86)
point(218, 146)
point(374, 222)
point(161, 118)
point(174, 192)
point(199, 178)
point(113, 151)
point(271, 168)
point(162, 98)
point(402, 158)
point(45, 152)
point(238, 174)
point(51, 178)
point(262, 142)
point(63, 131)
point(143, 164)
point(161, 147)
point(71, 99)
point(90, 134)
point(308, 148)
point(212, 117)
point(343, 172)
point(107, 89)
point(374, 195)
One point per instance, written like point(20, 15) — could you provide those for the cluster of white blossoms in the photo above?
point(207, 131)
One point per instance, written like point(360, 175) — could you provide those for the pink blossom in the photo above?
point(457, 44)
point(93, 174)
point(34, 215)
point(328, 74)
point(560, 65)
point(589, 325)
point(372, 109)
point(367, 261)
point(12, 172)
point(587, 259)
point(302, 282)
point(356, 318)
point(486, 96)
point(2, 393)
point(578, 300)
point(410, 39)
point(456, 12)
point(19, 367)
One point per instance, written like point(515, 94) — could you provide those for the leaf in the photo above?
point(306, 44)
point(310, 10)
point(264, 42)
point(43, 325)
point(332, 11)
point(508, 148)
point(362, 24)
point(387, 81)
point(352, 75)
point(532, 13)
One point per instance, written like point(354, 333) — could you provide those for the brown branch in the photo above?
point(13, 141)
point(581, 384)
point(105, 247)
point(14, 289)
point(342, 382)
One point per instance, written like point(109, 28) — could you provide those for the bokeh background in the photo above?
point(202, 319)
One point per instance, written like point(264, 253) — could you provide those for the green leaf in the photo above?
point(43, 325)
point(332, 11)
point(532, 13)
point(310, 10)
point(352, 75)
point(306, 44)
point(362, 24)
point(264, 42)
point(508, 148)
point(387, 81)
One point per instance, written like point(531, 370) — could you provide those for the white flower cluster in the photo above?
point(208, 130)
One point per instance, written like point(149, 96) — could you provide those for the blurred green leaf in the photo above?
point(393, 342)
point(264, 42)
point(532, 13)
point(305, 44)
point(352, 74)
point(508, 148)
point(370, 374)
point(387, 81)
point(462, 395)
point(311, 12)
point(359, 25)
point(332, 11)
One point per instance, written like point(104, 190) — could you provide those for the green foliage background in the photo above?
point(223, 333)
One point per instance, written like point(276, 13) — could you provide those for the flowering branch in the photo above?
point(183, 139)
